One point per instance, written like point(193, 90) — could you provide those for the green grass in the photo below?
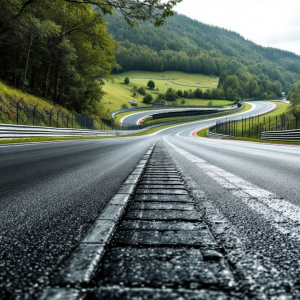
point(119, 93)
point(9, 98)
point(50, 139)
point(202, 133)
point(280, 109)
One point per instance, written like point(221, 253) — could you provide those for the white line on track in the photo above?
point(280, 213)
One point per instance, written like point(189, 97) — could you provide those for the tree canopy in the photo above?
point(183, 44)
point(151, 84)
point(132, 10)
point(61, 50)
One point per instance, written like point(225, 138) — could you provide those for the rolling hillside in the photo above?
point(183, 44)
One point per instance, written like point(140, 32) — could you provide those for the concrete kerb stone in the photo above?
point(112, 212)
point(62, 293)
point(127, 189)
point(82, 265)
point(100, 233)
point(120, 199)
point(132, 179)
point(84, 261)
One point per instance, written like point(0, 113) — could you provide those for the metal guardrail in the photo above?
point(217, 135)
point(283, 135)
point(8, 131)
point(160, 107)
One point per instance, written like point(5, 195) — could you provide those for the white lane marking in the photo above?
point(279, 212)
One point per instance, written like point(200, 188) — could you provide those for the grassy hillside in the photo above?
point(119, 93)
point(188, 45)
point(9, 97)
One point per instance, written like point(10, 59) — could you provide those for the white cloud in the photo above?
point(272, 23)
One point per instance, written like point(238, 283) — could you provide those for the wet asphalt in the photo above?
point(52, 192)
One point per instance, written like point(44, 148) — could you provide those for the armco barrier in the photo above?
point(283, 135)
point(217, 135)
point(24, 131)
point(165, 107)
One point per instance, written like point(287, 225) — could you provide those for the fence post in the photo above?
point(242, 127)
point(68, 119)
point(57, 117)
point(33, 116)
point(50, 116)
point(18, 107)
point(249, 125)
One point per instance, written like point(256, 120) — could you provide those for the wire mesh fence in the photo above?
point(251, 127)
point(22, 113)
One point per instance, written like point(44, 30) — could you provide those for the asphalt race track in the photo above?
point(52, 192)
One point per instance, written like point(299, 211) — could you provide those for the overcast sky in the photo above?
point(272, 23)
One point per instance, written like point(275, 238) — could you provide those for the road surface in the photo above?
point(51, 193)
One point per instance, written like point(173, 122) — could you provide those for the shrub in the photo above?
point(141, 91)
point(151, 84)
point(148, 98)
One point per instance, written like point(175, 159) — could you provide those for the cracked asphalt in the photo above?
point(51, 193)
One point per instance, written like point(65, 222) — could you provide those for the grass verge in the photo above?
point(280, 109)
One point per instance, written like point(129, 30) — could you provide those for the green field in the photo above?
point(119, 93)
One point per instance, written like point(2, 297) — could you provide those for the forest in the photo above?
point(62, 50)
point(247, 70)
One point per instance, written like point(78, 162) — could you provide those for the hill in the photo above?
point(186, 45)
point(118, 94)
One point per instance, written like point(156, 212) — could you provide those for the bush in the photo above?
point(141, 91)
point(188, 94)
point(207, 94)
point(198, 93)
point(124, 106)
point(151, 84)
point(148, 98)
point(126, 80)
point(179, 93)
point(170, 96)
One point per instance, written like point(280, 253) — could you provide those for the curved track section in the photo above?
point(52, 193)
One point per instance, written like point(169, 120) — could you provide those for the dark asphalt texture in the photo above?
point(52, 192)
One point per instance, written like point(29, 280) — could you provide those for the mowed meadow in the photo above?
point(119, 93)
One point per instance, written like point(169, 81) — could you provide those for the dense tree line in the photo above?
point(61, 50)
point(187, 45)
